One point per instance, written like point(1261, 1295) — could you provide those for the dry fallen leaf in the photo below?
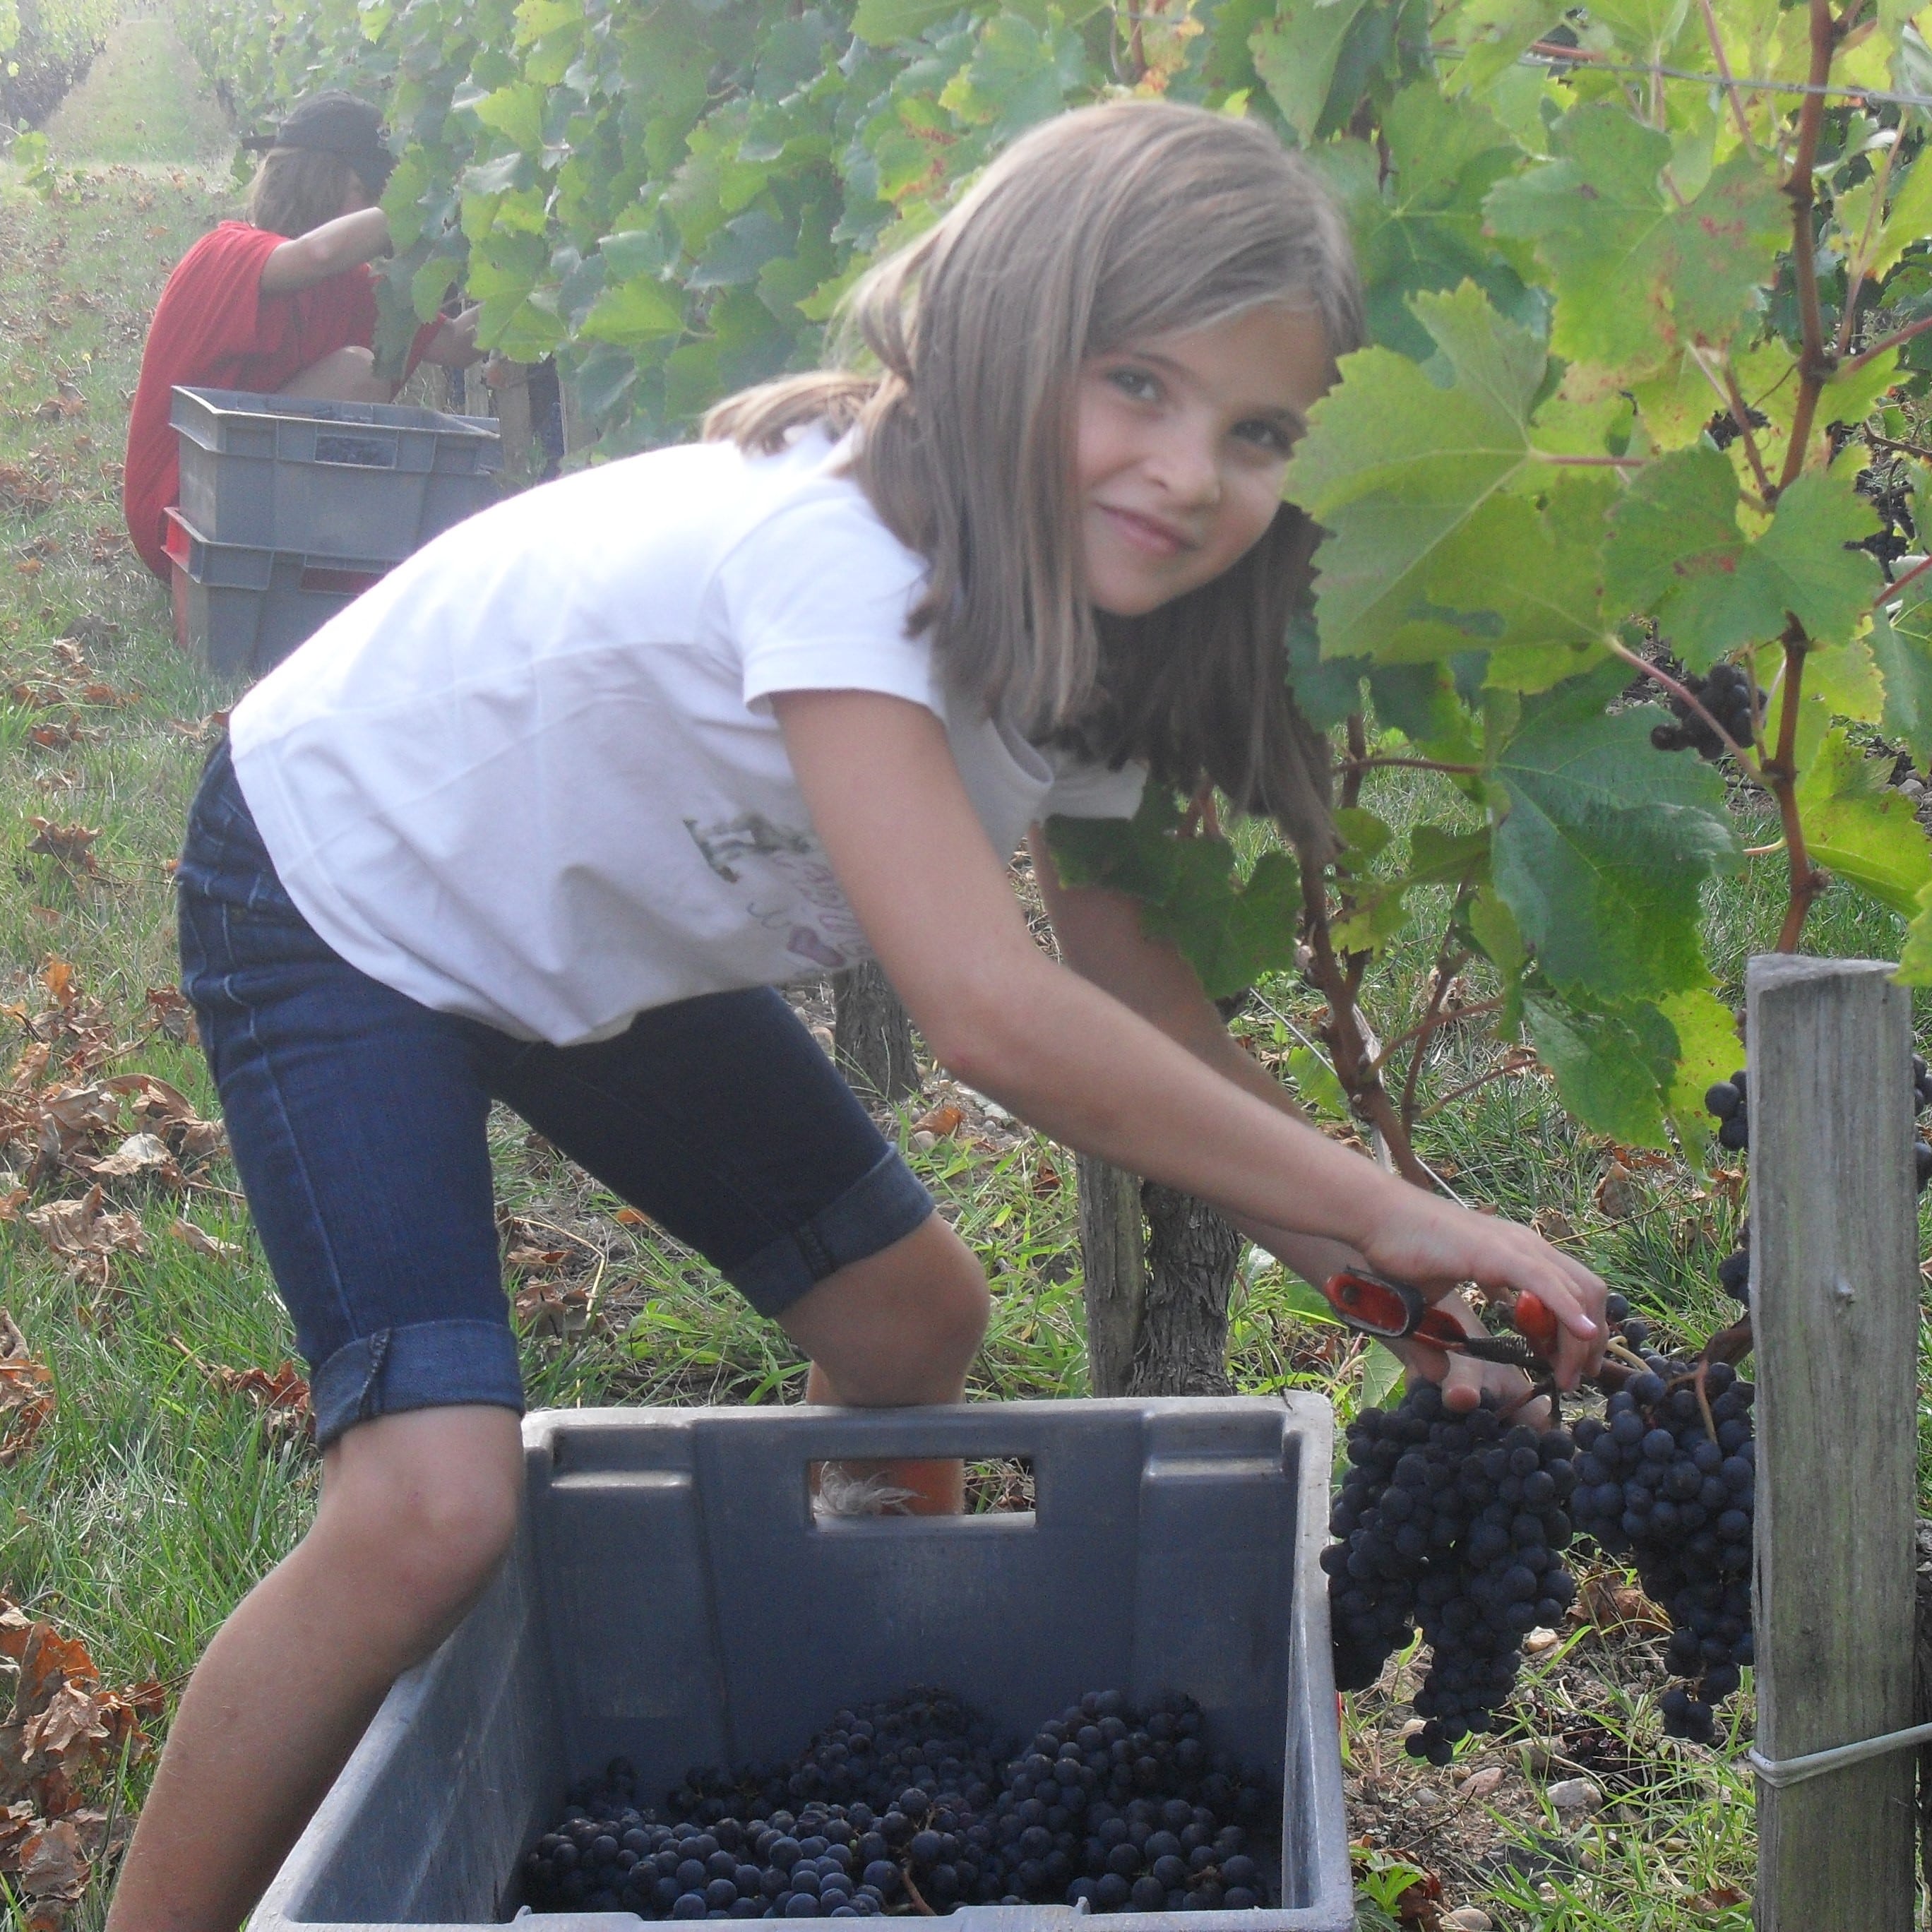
point(940, 1120)
point(140, 1156)
point(1617, 1193)
point(203, 1242)
point(552, 1309)
point(86, 1235)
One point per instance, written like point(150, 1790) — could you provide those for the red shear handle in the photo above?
point(1535, 1324)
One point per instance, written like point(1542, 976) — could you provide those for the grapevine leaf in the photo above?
point(1676, 552)
point(1324, 693)
point(1901, 641)
point(1846, 678)
point(1230, 933)
point(1381, 1370)
point(1644, 28)
point(1607, 844)
point(1707, 1049)
point(635, 311)
point(1914, 963)
point(1315, 1080)
point(1857, 826)
point(1907, 221)
point(1612, 1065)
point(1418, 223)
point(1635, 272)
point(1295, 53)
point(883, 23)
point(1394, 465)
point(1493, 34)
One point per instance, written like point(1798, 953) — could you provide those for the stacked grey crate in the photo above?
point(290, 506)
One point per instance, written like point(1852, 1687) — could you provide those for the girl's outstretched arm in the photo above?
point(888, 805)
point(1101, 937)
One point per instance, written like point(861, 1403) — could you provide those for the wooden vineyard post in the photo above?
point(1835, 1313)
point(1113, 1255)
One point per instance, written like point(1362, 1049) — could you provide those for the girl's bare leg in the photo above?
point(899, 1328)
point(343, 375)
point(416, 1511)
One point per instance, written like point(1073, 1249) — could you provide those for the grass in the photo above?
point(155, 1496)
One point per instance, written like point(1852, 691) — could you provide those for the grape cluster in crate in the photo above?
point(905, 1806)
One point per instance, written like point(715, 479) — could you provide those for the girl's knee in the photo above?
point(426, 1503)
point(346, 375)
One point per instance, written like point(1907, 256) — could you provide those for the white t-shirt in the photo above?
point(532, 776)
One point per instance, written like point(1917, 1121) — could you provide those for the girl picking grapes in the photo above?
point(546, 816)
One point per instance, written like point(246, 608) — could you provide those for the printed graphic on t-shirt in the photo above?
point(786, 883)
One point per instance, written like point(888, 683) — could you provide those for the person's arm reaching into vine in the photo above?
point(1070, 1058)
point(326, 251)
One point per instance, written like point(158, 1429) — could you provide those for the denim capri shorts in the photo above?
point(357, 1116)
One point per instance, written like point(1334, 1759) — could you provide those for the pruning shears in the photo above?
point(1394, 1311)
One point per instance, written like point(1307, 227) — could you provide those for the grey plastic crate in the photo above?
point(338, 479)
point(240, 610)
point(671, 1598)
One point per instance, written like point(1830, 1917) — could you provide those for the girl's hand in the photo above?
point(1436, 1245)
point(1465, 1381)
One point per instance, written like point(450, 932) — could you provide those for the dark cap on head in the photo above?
point(336, 123)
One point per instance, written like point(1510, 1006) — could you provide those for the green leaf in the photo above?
point(1381, 1370)
point(1914, 963)
point(1859, 826)
point(1613, 1065)
point(883, 23)
point(633, 312)
point(1606, 845)
point(1230, 933)
point(1315, 1080)
point(1295, 53)
point(1418, 221)
point(1676, 553)
point(1493, 34)
point(1636, 273)
point(1394, 465)
point(1707, 1050)
point(1901, 642)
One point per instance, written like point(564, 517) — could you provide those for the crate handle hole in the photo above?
point(842, 1489)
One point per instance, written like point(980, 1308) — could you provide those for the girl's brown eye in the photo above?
point(1134, 382)
point(1270, 436)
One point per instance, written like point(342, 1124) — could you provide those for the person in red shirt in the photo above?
point(283, 301)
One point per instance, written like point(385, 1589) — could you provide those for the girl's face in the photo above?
point(1180, 441)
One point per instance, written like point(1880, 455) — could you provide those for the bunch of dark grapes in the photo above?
point(1659, 1486)
point(1728, 1103)
point(1726, 694)
point(1129, 1810)
point(1111, 1804)
point(1453, 1522)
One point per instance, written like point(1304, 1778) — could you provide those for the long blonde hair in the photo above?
point(1102, 227)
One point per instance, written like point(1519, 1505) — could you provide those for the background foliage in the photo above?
point(1624, 318)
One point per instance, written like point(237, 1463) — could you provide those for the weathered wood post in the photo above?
point(1113, 1259)
point(1835, 1313)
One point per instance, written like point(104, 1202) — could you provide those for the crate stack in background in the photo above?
point(290, 506)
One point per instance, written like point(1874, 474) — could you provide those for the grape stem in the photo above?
point(912, 1891)
point(1816, 362)
point(1780, 774)
point(1746, 762)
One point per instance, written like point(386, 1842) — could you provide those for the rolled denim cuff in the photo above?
point(426, 1365)
point(883, 1206)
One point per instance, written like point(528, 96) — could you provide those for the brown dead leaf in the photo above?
point(87, 1236)
point(31, 566)
point(203, 1242)
point(552, 1309)
point(940, 1120)
point(71, 845)
point(1715, 1899)
point(170, 1015)
point(631, 1217)
point(1617, 1193)
point(143, 1156)
point(57, 976)
point(13, 1200)
point(52, 1867)
point(1612, 1605)
point(1045, 1177)
point(26, 1395)
point(281, 1400)
point(1553, 1225)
